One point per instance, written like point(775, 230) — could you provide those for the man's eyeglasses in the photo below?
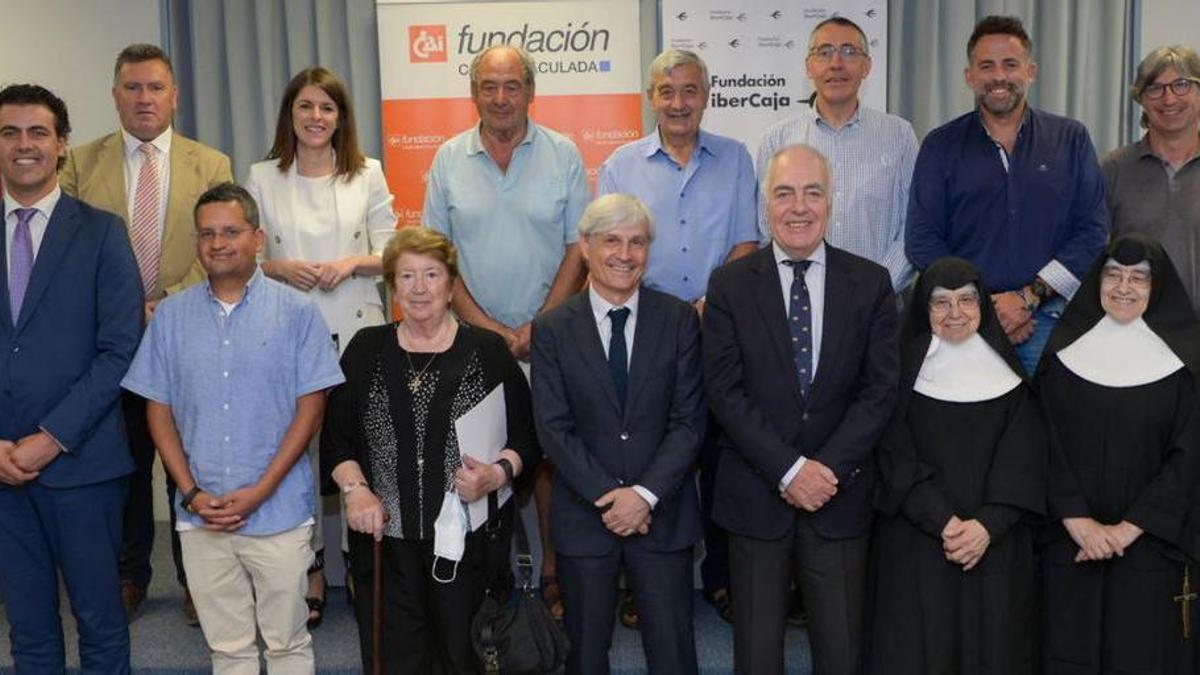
point(826, 52)
point(226, 234)
point(1179, 87)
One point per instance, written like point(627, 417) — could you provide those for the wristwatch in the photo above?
point(188, 496)
point(508, 469)
point(1042, 290)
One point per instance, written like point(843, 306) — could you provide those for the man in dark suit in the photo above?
point(800, 368)
point(70, 319)
point(618, 405)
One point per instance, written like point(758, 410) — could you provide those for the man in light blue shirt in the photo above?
point(698, 186)
point(508, 193)
point(235, 372)
point(870, 153)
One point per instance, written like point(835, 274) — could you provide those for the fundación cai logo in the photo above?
point(427, 44)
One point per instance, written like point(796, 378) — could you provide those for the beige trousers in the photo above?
point(240, 582)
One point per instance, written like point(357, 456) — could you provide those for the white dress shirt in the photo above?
point(814, 278)
point(600, 309)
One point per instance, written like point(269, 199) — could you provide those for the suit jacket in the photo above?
point(64, 356)
point(95, 173)
point(754, 392)
point(596, 446)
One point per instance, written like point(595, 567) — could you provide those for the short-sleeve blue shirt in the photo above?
point(511, 228)
point(701, 211)
point(232, 380)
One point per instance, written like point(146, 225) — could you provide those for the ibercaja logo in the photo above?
point(427, 44)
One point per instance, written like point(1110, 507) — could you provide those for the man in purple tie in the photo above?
point(70, 320)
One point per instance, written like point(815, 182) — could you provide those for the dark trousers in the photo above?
point(662, 583)
point(714, 568)
point(138, 540)
point(832, 574)
point(427, 624)
point(76, 531)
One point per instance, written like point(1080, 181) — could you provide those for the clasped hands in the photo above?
point(1100, 542)
point(812, 487)
point(1014, 315)
point(22, 461)
point(304, 274)
point(964, 542)
point(624, 512)
point(230, 511)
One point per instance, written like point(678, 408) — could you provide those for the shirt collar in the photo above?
point(817, 257)
point(1025, 121)
point(815, 115)
point(703, 144)
point(162, 142)
point(1144, 150)
point(251, 286)
point(45, 205)
point(475, 142)
point(600, 306)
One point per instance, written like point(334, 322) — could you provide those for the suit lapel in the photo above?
point(839, 288)
point(647, 335)
point(768, 298)
point(60, 232)
point(587, 337)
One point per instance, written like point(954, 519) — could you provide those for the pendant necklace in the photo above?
point(415, 377)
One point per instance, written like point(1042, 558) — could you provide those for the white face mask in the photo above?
point(450, 534)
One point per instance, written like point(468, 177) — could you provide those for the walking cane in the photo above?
point(377, 604)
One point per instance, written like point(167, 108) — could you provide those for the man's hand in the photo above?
point(1091, 537)
point(335, 272)
point(299, 273)
point(148, 310)
point(1122, 535)
point(812, 487)
point(629, 512)
point(1013, 315)
point(698, 305)
point(964, 542)
point(1022, 332)
point(364, 512)
point(522, 338)
point(475, 479)
point(234, 508)
point(208, 506)
point(35, 451)
point(10, 473)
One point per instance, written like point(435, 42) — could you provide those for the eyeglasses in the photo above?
point(825, 52)
point(1179, 87)
point(943, 305)
point(226, 234)
point(1135, 278)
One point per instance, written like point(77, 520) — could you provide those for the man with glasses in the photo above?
point(234, 371)
point(1153, 185)
point(1015, 190)
point(870, 153)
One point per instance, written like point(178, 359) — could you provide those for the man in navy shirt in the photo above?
point(1015, 190)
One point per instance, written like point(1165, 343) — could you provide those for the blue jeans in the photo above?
point(1046, 316)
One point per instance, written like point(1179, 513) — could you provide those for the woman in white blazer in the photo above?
point(327, 214)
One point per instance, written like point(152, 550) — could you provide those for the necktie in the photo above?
point(800, 323)
point(144, 231)
point(618, 354)
point(21, 262)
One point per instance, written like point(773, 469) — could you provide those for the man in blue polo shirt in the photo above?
point(1015, 190)
point(235, 372)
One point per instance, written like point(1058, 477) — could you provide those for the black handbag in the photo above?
point(513, 632)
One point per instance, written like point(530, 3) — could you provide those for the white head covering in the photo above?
point(965, 372)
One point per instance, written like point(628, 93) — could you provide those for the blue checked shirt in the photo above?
point(871, 160)
point(232, 380)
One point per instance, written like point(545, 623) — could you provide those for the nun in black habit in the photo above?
point(1117, 382)
point(963, 473)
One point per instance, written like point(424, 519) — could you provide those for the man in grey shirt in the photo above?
point(1153, 186)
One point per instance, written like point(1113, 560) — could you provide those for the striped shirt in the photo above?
point(871, 160)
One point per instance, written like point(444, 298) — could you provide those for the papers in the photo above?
point(482, 432)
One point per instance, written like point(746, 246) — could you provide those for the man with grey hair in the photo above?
point(618, 406)
point(235, 371)
point(150, 176)
point(701, 189)
point(1153, 185)
point(871, 153)
point(801, 370)
point(508, 193)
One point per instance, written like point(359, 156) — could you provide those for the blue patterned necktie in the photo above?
point(800, 323)
point(22, 262)
point(618, 354)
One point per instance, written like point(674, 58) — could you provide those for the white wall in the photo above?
point(1169, 22)
point(68, 46)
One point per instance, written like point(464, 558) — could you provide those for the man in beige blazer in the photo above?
point(151, 177)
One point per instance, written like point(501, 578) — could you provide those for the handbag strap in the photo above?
point(524, 557)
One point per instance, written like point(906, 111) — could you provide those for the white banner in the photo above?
point(755, 51)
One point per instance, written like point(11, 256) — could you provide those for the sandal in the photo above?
point(628, 612)
point(316, 603)
point(316, 611)
point(552, 596)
